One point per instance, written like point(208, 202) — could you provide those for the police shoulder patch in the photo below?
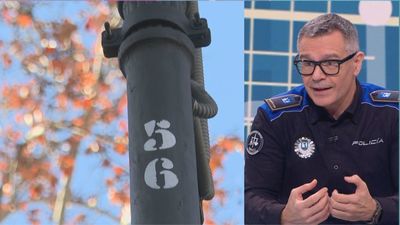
point(284, 102)
point(385, 96)
point(255, 142)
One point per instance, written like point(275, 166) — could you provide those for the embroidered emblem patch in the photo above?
point(255, 142)
point(385, 96)
point(304, 147)
point(283, 102)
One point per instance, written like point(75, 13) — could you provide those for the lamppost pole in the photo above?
point(156, 52)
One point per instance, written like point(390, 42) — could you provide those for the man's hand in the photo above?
point(312, 210)
point(359, 206)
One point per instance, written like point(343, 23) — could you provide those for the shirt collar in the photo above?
point(318, 113)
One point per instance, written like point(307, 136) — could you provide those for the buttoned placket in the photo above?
point(332, 141)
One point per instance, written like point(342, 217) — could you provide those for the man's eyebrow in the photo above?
point(305, 56)
point(324, 57)
point(331, 56)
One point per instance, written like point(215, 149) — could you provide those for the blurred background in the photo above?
point(63, 115)
point(271, 29)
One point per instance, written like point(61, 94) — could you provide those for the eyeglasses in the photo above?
point(328, 67)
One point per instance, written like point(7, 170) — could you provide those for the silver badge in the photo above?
point(304, 147)
point(255, 142)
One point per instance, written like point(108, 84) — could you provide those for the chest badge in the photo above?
point(304, 147)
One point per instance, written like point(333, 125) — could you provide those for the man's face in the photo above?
point(336, 92)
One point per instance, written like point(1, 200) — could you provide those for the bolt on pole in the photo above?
point(155, 48)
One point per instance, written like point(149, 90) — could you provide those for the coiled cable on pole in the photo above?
point(204, 105)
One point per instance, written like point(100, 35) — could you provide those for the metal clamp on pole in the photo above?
point(151, 14)
point(156, 49)
point(111, 40)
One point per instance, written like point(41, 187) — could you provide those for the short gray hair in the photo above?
point(328, 23)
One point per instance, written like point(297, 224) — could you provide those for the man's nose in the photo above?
point(318, 73)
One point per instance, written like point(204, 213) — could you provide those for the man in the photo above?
point(327, 151)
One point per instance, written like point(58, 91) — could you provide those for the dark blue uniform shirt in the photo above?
point(294, 141)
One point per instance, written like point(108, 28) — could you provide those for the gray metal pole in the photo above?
point(162, 152)
point(155, 48)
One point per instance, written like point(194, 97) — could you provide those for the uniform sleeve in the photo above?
point(390, 205)
point(263, 174)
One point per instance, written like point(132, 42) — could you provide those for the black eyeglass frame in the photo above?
point(318, 63)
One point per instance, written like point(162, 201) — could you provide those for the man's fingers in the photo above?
point(342, 198)
point(355, 179)
point(339, 206)
point(320, 216)
point(304, 188)
point(320, 205)
point(314, 198)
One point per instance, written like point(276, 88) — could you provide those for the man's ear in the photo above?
point(358, 61)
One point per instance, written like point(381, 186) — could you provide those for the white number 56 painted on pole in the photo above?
point(168, 140)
